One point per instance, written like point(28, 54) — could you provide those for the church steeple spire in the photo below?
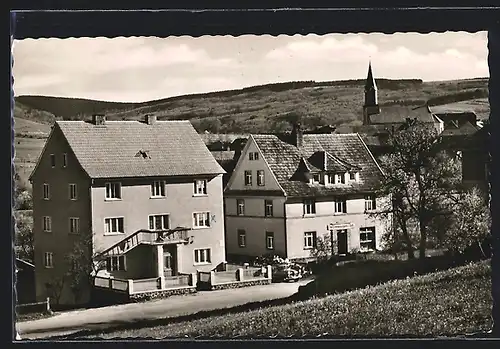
point(371, 106)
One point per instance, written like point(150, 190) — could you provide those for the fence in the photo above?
point(30, 308)
point(254, 273)
point(146, 284)
point(225, 276)
point(177, 281)
point(213, 278)
point(111, 283)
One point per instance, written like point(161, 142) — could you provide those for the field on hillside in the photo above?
point(448, 303)
point(264, 108)
point(480, 106)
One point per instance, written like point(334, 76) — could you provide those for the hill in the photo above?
point(261, 108)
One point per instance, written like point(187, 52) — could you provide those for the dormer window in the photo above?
point(352, 176)
point(339, 178)
point(316, 178)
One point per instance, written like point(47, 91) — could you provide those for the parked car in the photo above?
point(285, 273)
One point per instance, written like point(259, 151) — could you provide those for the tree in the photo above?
point(420, 175)
point(323, 247)
point(24, 236)
point(83, 266)
point(469, 221)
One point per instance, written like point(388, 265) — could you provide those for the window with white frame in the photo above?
point(352, 176)
point(340, 178)
point(201, 219)
point(248, 177)
point(260, 178)
point(202, 256)
point(240, 207)
point(74, 225)
point(73, 191)
point(330, 178)
point(52, 160)
point(158, 189)
point(253, 156)
point(47, 224)
point(65, 160)
point(48, 260)
point(159, 222)
point(46, 191)
point(268, 208)
point(116, 263)
point(113, 190)
point(370, 203)
point(269, 240)
point(316, 178)
point(309, 206)
point(309, 240)
point(367, 239)
point(340, 205)
point(114, 225)
point(242, 238)
point(200, 187)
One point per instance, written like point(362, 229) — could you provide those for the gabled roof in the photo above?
point(287, 162)
point(121, 149)
point(396, 114)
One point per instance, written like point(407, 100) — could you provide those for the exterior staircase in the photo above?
point(147, 237)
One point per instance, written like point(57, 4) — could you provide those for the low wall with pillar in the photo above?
point(241, 277)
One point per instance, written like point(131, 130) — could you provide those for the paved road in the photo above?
point(74, 321)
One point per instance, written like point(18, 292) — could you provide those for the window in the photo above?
point(269, 240)
point(352, 176)
point(367, 239)
point(268, 208)
point(340, 206)
point(48, 260)
point(370, 203)
point(201, 219)
point(52, 160)
point(73, 192)
point(114, 225)
point(65, 160)
point(253, 156)
point(309, 240)
point(202, 256)
point(113, 191)
point(340, 178)
point(309, 207)
point(200, 187)
point(316, 178)
point(47, 224)
point(240, 207)
point(159, 222)
point(330, 179)
point(260, 178)
point(46, 191)
point(158, 189)
point(74, 225)
point(115, 263)
point(248, 177)
point(242, 238)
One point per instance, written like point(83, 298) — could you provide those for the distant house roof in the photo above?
point(121, 149)
point(288, 163)
point(21, 264)
point(396, 114)
point(210, 138)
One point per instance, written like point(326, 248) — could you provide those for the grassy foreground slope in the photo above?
point(452, 302)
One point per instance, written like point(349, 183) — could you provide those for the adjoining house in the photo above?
point(287, 193)
point(148, 194)
point(25, 282)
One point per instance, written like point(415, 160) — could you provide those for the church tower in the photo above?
point(371, 106)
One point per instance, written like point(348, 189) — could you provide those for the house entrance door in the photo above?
point(169, 261)
point(342, 241)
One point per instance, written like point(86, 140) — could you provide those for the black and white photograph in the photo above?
point(252, 186)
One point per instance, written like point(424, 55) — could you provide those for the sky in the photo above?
point(138, 69)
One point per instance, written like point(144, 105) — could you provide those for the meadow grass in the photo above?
point(446, 303)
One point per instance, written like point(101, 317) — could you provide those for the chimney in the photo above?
point(98, 119)
point(297, 134)
point(150, 119)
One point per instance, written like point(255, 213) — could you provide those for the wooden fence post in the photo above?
point(269, 272)
point(212, 278)
point(193, 279)
point(48, 305)
point(130, 286)
point(239, 274)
